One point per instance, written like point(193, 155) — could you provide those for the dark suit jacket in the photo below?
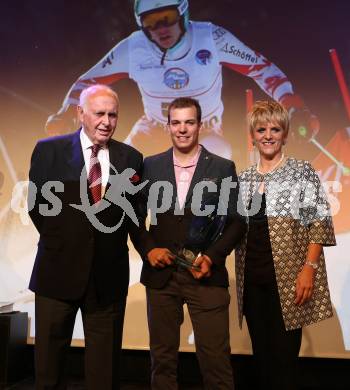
point(171, 230)
point(70, 248)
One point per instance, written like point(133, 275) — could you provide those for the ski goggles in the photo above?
point(166, 18)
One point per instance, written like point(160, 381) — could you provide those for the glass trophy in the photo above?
point(203, 231)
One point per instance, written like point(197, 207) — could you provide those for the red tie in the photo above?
point(95, 174)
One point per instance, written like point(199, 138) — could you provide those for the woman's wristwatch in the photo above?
point(312, 264)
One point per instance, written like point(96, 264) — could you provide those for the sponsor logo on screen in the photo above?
point(231, 49)
point(176, 78)
point(203, 57)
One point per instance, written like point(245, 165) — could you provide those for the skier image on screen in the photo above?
point(171, 56)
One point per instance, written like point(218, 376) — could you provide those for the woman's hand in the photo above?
point(304, 285)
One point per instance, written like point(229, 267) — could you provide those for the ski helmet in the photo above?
point(143, 6)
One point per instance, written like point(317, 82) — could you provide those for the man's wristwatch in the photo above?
point(312, 264)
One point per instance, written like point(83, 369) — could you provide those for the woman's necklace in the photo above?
point(258, 167)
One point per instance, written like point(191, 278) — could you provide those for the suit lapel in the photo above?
point(166, 172)
point(200, 172)
point(76, 159)
point(117, 161)
point(168, 168)
point(117, 158)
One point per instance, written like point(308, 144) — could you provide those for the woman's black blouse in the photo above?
point(258, 261)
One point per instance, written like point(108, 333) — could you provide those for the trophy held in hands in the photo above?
point(203, 231)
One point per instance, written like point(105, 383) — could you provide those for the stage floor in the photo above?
point(79, 385)
point(314, 374)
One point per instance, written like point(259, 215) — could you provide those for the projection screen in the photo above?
point(47, 46)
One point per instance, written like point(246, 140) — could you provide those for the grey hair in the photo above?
point(95, 90)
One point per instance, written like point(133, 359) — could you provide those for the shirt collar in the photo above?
point(86, 142)
point(190, 163)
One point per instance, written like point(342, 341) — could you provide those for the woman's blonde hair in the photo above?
point(268, 111)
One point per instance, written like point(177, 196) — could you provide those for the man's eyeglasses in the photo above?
point(166, 18)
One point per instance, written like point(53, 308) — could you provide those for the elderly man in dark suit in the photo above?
point(78, 264)
point(203, 287)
